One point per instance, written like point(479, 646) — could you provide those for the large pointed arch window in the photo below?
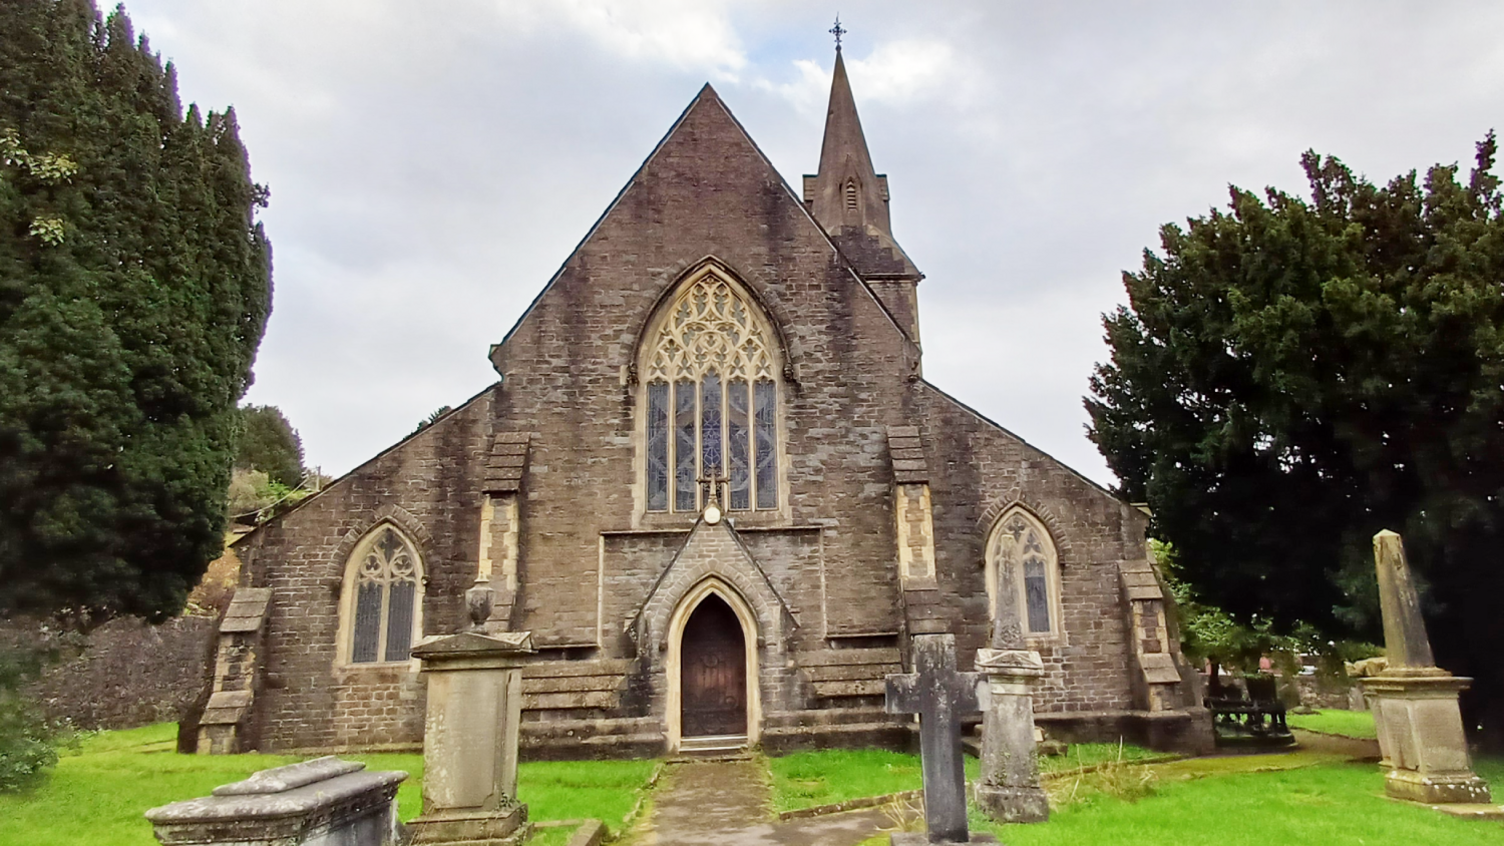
point(711, 400)
point(382, 584)
point(1021, 543)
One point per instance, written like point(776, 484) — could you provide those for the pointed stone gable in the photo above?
point(712, 552)
point(706, 190)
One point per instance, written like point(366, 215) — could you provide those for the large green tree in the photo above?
point(1294, 374)
point(134, 288)
point(270, 444)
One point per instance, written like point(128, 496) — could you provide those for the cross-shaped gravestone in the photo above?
point(939, 695)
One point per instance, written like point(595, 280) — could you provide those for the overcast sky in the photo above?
point(433, 163)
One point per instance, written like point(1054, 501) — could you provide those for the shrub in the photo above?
point(27, 738)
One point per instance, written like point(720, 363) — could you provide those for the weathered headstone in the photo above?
point(1008, 789)
point(470, 739)
point(1415, 702)
point(321, 802)
point(939, 695)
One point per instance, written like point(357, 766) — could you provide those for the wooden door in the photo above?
point(713, 675)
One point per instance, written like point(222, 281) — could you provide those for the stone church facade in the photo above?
point(715, 486)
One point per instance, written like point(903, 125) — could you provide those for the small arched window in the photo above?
point(851, 195)
point(711, 400)
point(1021, 543)
point(383, 585)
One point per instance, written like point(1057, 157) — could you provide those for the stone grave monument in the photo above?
point(1009, 789)
point(323, 802)
point(470, 738)
point(1415, 702)
point(939, 695)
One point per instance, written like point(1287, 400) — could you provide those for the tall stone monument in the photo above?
point(1414, 701)
point(939, 695)
point(1009, 789)
point(470, 738)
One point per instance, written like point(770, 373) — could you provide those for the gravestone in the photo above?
point(1415, 702)
point(470, 738)
point(1008, 789)
point(939, 695)
point(322, 802)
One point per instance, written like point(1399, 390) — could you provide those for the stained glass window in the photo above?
point(717, 352)
point(767, 443)
point(710, 425)
point(1036, 594)
point(1023, 545)
point(657, 443)
point(386, 597)
point(685, 475)
point(738, 449)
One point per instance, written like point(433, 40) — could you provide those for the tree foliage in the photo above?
point(1293, 375)
point(134, 289)
point(270, 444)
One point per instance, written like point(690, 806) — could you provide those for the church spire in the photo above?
point(849, 198)
point(848, 191)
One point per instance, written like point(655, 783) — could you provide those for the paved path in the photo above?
point(726, 803)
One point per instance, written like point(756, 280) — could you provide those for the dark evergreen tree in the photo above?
point(134, 289)
point(1295, 375)
point(270, 444)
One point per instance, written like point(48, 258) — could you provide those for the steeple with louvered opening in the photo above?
point(849, 198)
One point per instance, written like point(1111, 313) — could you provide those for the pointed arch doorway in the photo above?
point(712, 671)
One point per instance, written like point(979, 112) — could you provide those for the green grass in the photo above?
point(809, 779)
point(1358, 724)
point(572, 790)
point(1306, 798)
point(1324, 804)
point(551, 836)
point(1090, 754)
point(100, 789)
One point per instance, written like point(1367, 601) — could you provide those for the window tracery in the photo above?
point(1022, 544)
point(711, 401)
point(384, 605)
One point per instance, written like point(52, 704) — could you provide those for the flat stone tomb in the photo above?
point(313, 803)
point(939, 695)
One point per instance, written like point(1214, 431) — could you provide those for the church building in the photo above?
point(713, 483)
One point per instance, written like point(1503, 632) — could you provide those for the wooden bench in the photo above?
point(1259, 715)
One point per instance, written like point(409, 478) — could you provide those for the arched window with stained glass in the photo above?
point(710, 403)
point(1021, 542)
point(384, 588)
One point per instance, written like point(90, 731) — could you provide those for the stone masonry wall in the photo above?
point(130, 674)
point(979, 469)
point(428, 486)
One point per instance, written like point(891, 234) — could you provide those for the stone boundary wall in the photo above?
point(130, 674)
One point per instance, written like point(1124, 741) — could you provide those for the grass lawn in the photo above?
point(1358, 724)
point(808, 779)
point(1324, 804)
point(99, 791)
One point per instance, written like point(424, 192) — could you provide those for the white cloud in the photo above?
point(895, 73)
point(899, 71)
point(685, 34)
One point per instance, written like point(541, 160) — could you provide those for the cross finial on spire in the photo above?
point(838, 31)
